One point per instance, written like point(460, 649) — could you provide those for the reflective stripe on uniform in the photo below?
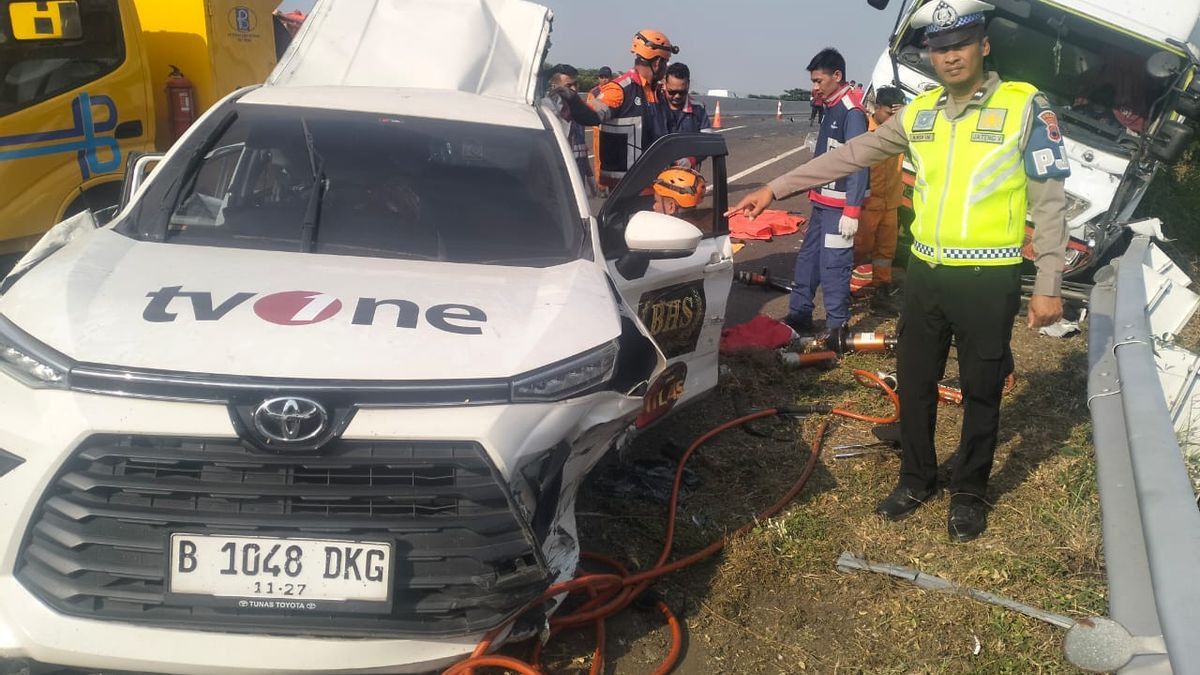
point(991, 254)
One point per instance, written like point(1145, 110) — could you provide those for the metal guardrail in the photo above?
point(1151, 524)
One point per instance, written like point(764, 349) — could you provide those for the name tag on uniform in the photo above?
point(991, 119)
point(923, 137)
point(985, 137)
point(925, 120)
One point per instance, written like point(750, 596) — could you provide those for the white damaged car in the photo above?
point(321, 394)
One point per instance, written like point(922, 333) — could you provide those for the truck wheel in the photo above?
point(100, 197)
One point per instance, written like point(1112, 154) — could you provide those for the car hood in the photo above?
point(108, 299)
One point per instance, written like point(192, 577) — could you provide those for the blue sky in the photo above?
point(751, 46)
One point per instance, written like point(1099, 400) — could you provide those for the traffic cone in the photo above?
point(716, 120)
point(779, 110)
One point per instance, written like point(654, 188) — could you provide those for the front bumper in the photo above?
point(47, 429)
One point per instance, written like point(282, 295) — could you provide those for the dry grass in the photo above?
point(773, 600)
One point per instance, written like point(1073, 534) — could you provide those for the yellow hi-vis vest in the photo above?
point(969, 196)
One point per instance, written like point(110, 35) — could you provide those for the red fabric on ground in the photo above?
point(761, 332)
point(770, 223)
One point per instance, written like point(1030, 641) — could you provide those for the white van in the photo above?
point(1119, 73)
point(321, 395)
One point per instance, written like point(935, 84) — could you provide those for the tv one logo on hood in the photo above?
point(302, 308)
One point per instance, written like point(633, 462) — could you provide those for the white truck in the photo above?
point(1119, 73)
point(320, 396)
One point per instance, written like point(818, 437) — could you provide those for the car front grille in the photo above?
point(463, 561)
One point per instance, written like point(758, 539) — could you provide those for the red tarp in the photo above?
point(761, 332)
point(770, 223)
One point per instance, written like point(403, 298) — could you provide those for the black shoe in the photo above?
point(886, 301)
point(967, 518)
point(799, 323)
point(902, 502)
point(888, 433)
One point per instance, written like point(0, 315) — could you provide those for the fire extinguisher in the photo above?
point(181, 103)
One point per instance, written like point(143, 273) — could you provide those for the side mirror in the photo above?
point(655, 236)
point(658, 236)
point(878, 4)
point(1163, 65)
point(136, 172)
point(1170, 142)
point(1188, 103)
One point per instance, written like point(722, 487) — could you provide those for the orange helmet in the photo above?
point(652, 44)
point(685, 186)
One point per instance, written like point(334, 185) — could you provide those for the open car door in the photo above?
point(681, 300)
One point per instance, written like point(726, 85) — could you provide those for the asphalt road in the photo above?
point(761, 148)
point(756, 155)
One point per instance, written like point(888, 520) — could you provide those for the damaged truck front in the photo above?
point(321, 395)
point(1120, 76)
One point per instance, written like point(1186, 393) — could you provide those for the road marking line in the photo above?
point(737, 176)
point(721, 131)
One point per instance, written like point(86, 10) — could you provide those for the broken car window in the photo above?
point(392, 187)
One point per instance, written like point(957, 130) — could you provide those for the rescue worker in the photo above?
point(564, 76)
point(625, 109)
point(875, 244)
point(678, 190)
point(603, 77)
point(983, 149)
point(683, 114)
point(827, 253)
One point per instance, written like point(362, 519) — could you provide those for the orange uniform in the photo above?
point(875, 242)
point(629, 124)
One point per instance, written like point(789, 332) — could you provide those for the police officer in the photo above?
point(626, 107)
point(984, 150)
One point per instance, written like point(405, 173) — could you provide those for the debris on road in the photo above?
point(849, 562)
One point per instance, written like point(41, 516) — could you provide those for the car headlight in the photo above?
point(567, 378)
point(1076, 206)
point(29, 361)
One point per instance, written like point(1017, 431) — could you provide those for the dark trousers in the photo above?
point(818, 114)
point(975, 305)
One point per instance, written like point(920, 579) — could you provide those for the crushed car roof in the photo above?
point(493, 48)
point(426, 103)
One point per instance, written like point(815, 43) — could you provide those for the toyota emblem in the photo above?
point(290, 419)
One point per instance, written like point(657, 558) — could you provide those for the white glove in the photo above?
point(848, 226)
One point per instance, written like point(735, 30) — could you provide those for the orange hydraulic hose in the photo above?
point(869, 379)
point(668, 663)
point(610, 593)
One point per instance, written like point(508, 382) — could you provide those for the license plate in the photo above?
point(281, 574)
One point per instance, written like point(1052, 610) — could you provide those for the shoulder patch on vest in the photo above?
point(992, 119)
point(925, 120)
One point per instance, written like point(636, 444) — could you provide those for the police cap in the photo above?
point(951, 22)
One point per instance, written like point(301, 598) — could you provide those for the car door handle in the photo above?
point(718, 263)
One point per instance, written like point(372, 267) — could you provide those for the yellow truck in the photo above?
point(83, 85)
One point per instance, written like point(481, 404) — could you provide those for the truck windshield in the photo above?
point(1095, 77)
point(33, 69)
point(293, 179)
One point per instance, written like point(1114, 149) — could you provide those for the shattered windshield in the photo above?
point(300, 179)
point(1095, 78)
